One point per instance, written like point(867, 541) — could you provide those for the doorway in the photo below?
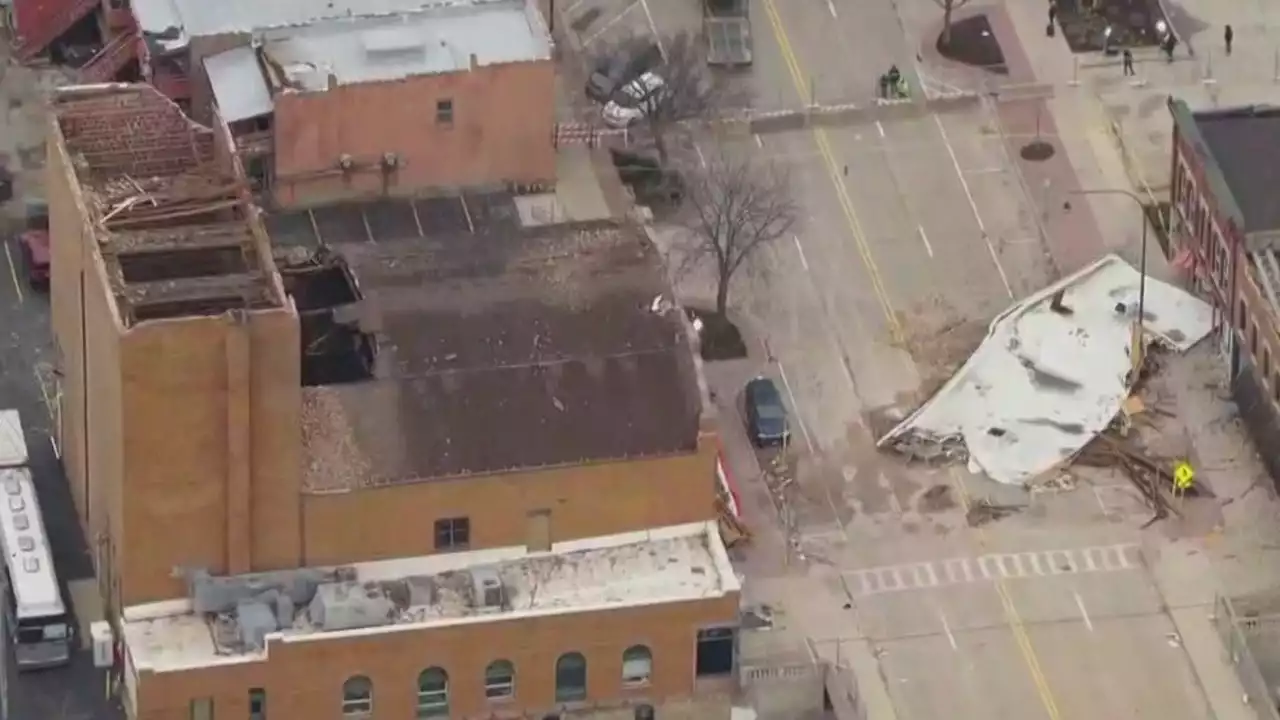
point(538, 532)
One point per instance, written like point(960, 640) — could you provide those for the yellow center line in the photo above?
point(1012, 617)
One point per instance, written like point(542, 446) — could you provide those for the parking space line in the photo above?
point(13, 271)
point(973, 205)
point(800, 248)
point(832, 7)
point(759, 142)
point(702, 159)
point(653, 28)
point(613, 21)
point(1084, 614)
point(795, 408)
point(466, 211)
point(880, 128)
point(927, 247)
point(946, 628)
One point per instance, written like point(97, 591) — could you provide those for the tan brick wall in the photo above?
point(585, 501)
point(504, 117)
point(187, 465)
point(304, 679)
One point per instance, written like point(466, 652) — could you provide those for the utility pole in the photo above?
point(1137, 348)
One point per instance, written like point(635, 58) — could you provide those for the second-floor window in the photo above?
point(453, 534)
point(444, 112)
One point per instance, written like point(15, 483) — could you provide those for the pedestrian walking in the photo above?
point(1170, 44)
point(1128, 63)
point(1227, 36)
point(1053, 15)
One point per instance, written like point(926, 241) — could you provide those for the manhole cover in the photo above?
point(1037, 151)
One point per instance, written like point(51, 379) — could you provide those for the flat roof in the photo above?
point(176, 21)
point(1245, 143)
point(501, 349)
point(427, 42)
point(239, 87)
point(663, 565)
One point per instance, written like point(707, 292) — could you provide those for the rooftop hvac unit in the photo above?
point(103, 644)
point(350, 605)
point(490, 595)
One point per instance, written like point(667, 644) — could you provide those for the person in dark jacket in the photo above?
point(1227, 36)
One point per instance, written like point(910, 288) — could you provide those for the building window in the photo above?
point(202, 709)
point(257, 704)
point(500, 680)
point(571, 677)
point(1266, 363)
point(453, 533)
point(444, 112)
point(1253, 339)
point(715, 652)
point(357, 697)
point(433, 693)
point(637, 665)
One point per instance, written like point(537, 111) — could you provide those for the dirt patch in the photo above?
point(974, 44)
point(721, 339)
point(936, 499)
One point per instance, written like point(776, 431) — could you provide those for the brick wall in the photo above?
point(130, 129)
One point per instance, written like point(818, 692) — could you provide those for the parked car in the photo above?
point(633, 101)
point(767, 421)
point(615, 71)
point(34, 245)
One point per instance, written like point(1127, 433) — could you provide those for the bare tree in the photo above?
point(737, 206)
point(948, 6)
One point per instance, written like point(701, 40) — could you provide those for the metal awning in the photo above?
point(239, 86)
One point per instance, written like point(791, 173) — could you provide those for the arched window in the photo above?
point(433, 693)
point(500, 680)
point(571, 677)
point(637, 665)
point(357, 697)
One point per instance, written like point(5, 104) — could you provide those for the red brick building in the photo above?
point(1226, 232)
point(412, 458)
point(333, 101)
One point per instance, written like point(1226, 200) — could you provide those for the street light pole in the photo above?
point(1137, 350)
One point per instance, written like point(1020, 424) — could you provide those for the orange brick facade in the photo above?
point(303, 680)
point(183, 447)
point(503, 120)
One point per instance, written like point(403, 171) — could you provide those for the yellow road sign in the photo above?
point(1183, 475)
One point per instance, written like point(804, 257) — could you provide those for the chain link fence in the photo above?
point(1250, 632)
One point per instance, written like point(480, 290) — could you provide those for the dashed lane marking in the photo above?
point(991, 568)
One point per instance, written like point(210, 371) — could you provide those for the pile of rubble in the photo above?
point(127, 203)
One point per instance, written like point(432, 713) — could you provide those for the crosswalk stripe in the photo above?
point(994, 566)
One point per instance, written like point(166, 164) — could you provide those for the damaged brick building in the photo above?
point(1226, 231)
point(447, 462)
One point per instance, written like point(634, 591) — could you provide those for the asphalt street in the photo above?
point(918, 229)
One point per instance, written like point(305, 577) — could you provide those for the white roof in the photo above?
point(662, 565)
point(371, 49)
point(1044, 383)
point(238, 84)
point(200, 18)
point(26, 547)
point(13, 446)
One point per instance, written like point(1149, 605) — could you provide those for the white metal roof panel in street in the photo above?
point(13, 446)
point(1049, 378)
point(238, 84)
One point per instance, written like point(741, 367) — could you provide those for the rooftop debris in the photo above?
point(126, 203)
point(1052, 373)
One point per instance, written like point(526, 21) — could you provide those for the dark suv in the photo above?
point(767, 421)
